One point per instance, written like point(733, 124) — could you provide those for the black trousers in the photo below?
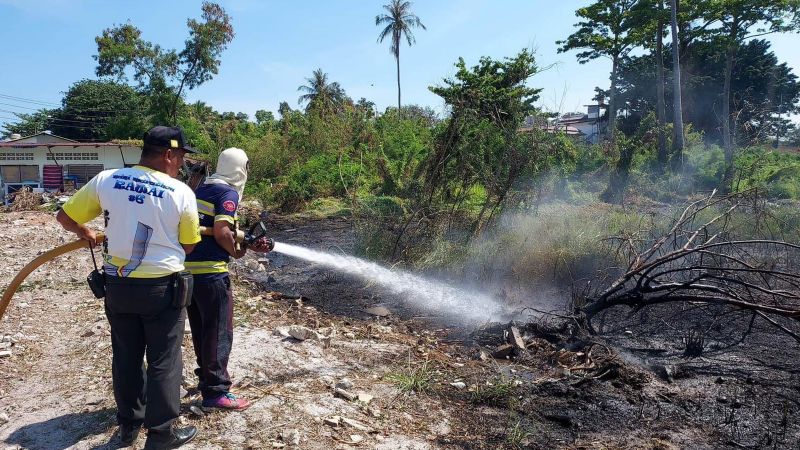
point(211, 319)
point(145, 324)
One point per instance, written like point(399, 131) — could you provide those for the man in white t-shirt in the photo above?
point(151, 224)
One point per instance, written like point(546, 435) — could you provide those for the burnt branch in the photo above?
point(699, 259)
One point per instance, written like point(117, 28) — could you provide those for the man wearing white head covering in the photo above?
point(211, 310)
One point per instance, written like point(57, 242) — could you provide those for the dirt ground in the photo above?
point(630, 388)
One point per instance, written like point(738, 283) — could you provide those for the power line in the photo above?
point(27, 100)
point(20, 106)
point(58, 106)
point(98, 120)
point(74, 110)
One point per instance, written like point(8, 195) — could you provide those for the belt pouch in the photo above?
point(182, 287)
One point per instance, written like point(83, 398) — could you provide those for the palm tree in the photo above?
point(398, 23)
point(320, 94)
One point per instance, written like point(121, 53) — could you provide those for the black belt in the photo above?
point(112, 279)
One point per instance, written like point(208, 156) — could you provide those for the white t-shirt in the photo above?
point(148, 215)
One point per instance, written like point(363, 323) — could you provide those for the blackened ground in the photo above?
point(741, 392)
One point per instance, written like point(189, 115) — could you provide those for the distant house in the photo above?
point(45, 160)
point(589, 127)
point(592, 125)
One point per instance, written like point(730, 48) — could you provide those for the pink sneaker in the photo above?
point(226, 401)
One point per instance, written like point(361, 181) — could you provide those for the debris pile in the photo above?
point(25, 200)
point(563, 352)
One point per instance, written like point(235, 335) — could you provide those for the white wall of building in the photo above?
point(109, 156)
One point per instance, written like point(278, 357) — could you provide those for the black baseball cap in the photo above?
point(169, 137)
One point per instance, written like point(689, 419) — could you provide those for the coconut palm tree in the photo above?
point(321, 94)
point(399, 21)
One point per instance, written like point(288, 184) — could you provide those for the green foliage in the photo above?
point(404, 145)
point(517, 435)
point(776, 173)
point(604, 30)
point(164, 73)
point(92, 110)
point(29, 124)
point(322, 96)
point(321, 175)
point(480, 143)
point(411, 379)
point(498, 392)
point(559, 244)
point(326, 207)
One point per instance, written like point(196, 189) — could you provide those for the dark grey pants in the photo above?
point(144, 323)
point(211, 319)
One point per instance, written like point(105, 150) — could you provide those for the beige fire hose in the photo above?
point(63, 249)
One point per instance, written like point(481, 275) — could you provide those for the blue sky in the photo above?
point(48, 44)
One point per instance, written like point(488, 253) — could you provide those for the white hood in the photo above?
point(231, 170)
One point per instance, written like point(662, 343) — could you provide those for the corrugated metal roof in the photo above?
point(76, 144)
point(566, 129)
point(40, 134)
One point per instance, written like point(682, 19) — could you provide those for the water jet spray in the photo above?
point(423, 292)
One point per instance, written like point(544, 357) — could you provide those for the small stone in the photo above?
point(276, 445)
point(332, 421)
point(4, 418)
point(5, 345)
point(187, 329)
point(356, 438)
point(345, 384)
point(291, 436)
point(722, 399)
point(357, 425)
point(5, 353)
point(503, 351)
point(365, 398)
point(303, 333)
point(261, 268)
point(459, 385)
point(341, 393)
point(94, 401)
point(184, 392)
point(379, 311)
point(281, 331)
point(196, 411)
point(349, 335)
point(720, 380)
point(374, 412)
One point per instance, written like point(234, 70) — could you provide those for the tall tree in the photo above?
point(741, 20)
point(649, 22)
point(604, 30)
point(677, 122)
point(322, 95)
point(762, 87)
point(166, 73)
point(661, 110)
point(482, 143)
point(399, 21)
